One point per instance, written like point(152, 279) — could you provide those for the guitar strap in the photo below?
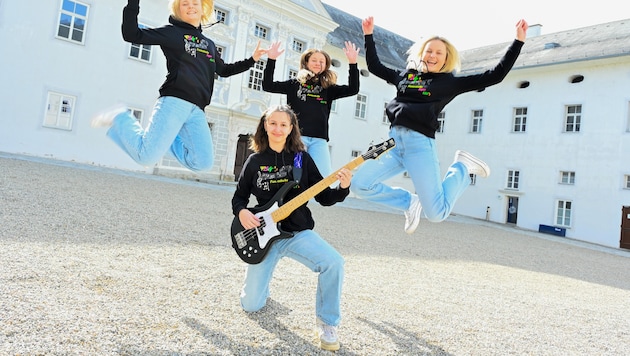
point(297, 167)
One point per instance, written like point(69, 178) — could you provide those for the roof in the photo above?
point(391, 48)
point(605, 40)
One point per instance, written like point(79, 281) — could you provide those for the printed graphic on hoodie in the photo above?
point(194, 44)
point(414, 82)
point(268, 175)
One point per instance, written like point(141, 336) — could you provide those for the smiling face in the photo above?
point(316, 63)
point(278, 126)
point(434, 56)
point(191, 11)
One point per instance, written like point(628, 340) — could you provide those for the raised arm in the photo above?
point(352, 52)
point(521, 30)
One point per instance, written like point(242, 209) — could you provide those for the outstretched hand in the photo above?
point(368, 25)
point(274, 51)
point(351, 51)
point(521, 30)
point(258, 52)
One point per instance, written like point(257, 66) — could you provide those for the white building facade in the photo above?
point(556, 148)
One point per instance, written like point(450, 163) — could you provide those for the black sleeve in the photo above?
point(240, 200)
point(374, 63)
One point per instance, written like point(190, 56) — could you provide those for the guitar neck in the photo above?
point(285, 210)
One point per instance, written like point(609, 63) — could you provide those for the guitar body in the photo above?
point(252, 245)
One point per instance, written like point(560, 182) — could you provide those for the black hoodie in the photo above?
point(191, 58)
point(420, 97)
point(266, 172)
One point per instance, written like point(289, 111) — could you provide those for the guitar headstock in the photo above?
point(375, 151)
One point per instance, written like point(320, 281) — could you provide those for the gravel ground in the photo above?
point(96, 261)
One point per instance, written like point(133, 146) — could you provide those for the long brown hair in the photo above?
point(327, 77)
point(259, 142)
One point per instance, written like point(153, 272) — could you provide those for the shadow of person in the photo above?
point(405, 339)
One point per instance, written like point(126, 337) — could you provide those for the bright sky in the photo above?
point(471, 24)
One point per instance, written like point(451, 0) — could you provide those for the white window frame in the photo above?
point(385, 119)
point(78, 22)
point(441, 121)
point(297, 45)
point(564, 210)
point(360, 107)
point(627, 181)
point(473, 179)
point(221, 15)
point(261, 31)
point(59, 112)
point(519, 120)
point(141, 49)
point(476, 120)
point(137, 113)
point(256, 76)
point(513, 179)
point(567, 177)
point(572, 118)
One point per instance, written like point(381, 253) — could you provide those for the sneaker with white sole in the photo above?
point(412, 215)
point(106, 118)
point(327, 334)
point(474, 164)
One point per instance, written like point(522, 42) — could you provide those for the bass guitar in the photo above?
point(252, 245)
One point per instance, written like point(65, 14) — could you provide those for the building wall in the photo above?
point(99, 73)
point(597, 154)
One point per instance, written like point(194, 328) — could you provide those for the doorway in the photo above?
point(242, 152)
point(624, 242)
point(512, 210)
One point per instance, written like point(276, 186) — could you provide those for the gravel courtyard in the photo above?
point(96, 261)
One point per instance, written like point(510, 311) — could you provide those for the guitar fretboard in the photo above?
point(285, 210)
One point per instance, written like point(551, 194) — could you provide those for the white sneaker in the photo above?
point(412, 215)
point(106, 118)
point(327, 335)
point(474, 164)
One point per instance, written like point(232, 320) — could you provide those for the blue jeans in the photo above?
point(308, 248)
point(175, 124)
point(416, 154)
point(318, 149)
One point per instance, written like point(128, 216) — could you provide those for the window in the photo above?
point(220, 50)
point(293, 74)
point(261, 31)
point(256, 76)
point(627, 181)
point(333, 106)
point(513, 179)
point(477, 118)
point(297, 46)
point(563, 214)
point(440, 118)
point(473, 179)
point(355, 153)
point(385, 119)
point(573, 118)
point(59, 111)
point(72, 21)
point(567, 177)
point(140, 51)
point(520, 119)
point(220, 15)
point(137, 113)
point(360, 107)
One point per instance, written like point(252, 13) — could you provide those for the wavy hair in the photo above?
point(327, 77)
point(260, 141)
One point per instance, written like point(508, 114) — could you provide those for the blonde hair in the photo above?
point(207, 7)
point(327, 77)
point(451, 64)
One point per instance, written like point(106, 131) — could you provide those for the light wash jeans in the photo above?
point(175, 124)
point(308, 248)
point(416, 154)
point(318, 149)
